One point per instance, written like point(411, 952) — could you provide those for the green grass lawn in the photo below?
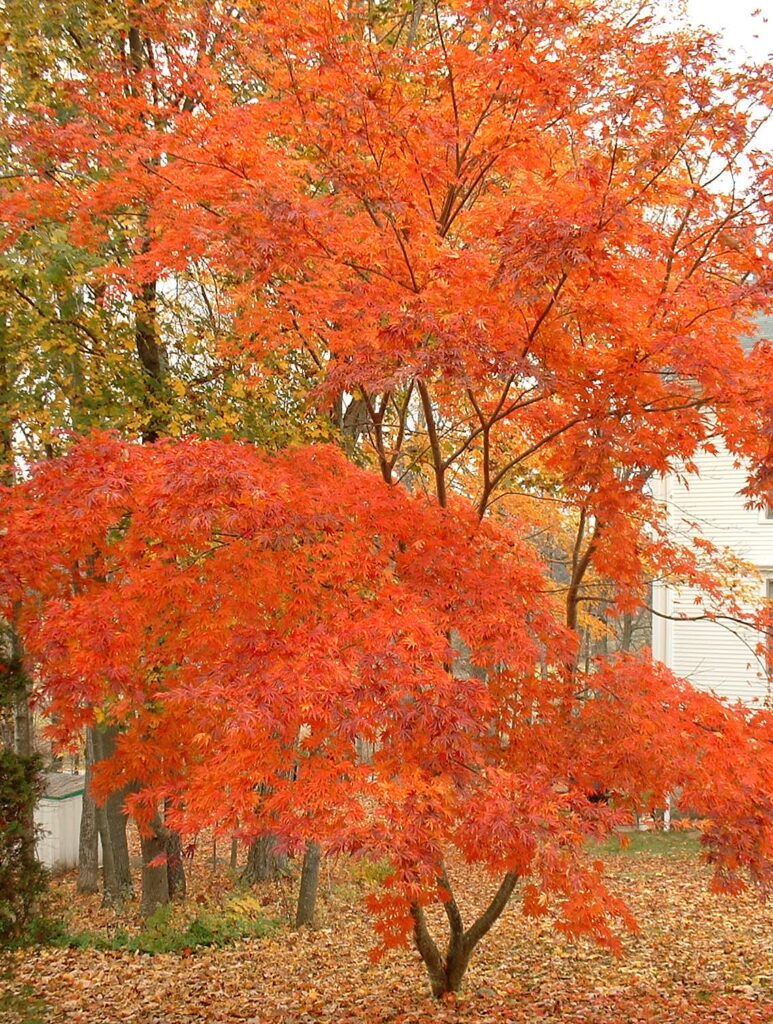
point(669, 844)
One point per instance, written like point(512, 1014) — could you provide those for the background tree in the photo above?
point(79, 352)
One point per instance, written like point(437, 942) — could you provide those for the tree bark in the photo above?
point(307, 896)
point(111, 893)
point(112, 827)
point(153, 359)
point(175, 869)
point(88, 842)
point(264, 862)
point(155, 880)
point(23, 723)
point(446, 974)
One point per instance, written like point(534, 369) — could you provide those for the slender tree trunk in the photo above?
point(264, 862)
point(175, 870)
point(111, 891)
point(117, 823)
point(88, 843)
point(23, 723)
point(112, 824)
point(153, 359)
point(418, 10)
point(307, 896)
point(626, 637)
point(152, 356)
point(6, 730)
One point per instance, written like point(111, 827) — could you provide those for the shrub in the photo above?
point(22, 879)
point(161, 935)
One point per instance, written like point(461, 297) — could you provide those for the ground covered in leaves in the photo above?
point(699, 958)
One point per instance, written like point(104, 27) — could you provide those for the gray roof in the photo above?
point(60, 786)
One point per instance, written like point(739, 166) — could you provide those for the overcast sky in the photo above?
point(733, 19)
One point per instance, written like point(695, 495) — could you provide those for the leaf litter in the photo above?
point(699, 957)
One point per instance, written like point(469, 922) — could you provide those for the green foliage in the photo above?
point(22, 878)
point(371, 872)
point(161, 935)
point(23, 1007)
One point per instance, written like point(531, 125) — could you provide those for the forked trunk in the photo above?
point(446, 973)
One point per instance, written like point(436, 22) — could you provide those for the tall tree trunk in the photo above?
point(88, 841)
point(307, 895)
point(112, 824)
point(264, 862)
point(152, 355)
point(111, 891)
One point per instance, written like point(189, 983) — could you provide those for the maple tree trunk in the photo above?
point(264, 862)
point(175, 870)
point(626, 638)
point(155, 879)
point(6, 732)
point(152, 355)
point(88, 841)
point(418, 10)
point(116, 829)
point(446, 973)
point(112, 821)
point(153, 358)
point(307, 896)
point(111, 892)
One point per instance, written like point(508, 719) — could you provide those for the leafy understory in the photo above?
point(699, 958)
point(160, 934)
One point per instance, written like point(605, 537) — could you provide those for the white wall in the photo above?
point(717, 656)
point(60, 822)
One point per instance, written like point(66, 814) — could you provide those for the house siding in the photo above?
point(59, 823)
point(719, 656)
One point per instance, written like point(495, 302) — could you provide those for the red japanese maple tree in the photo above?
point(516, 244)
point(245, 619)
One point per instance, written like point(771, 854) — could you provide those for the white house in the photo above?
point(716, 655)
